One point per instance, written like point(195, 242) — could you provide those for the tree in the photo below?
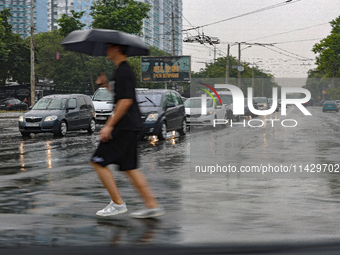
point(70, 23)
point(123, 15)
point(14, 53)
point(262, 81)
point(68, 73)
point(323, 78)
point(67, 25)
point(328, 60)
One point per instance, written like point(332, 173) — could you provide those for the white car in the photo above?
point(103, 104)
point(193, 108)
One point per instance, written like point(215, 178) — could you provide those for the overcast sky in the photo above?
point(300, 23)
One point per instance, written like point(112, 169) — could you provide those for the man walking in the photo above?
point(119, 137)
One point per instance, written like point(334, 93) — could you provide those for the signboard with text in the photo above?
point(166, 69)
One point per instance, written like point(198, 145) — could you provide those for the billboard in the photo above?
point(166, 69)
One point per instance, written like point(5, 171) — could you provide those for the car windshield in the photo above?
point(102, 95)
point(147, 100)
point(196, 103)
point(226, 99)
point(260, 100)
point(329, 102)
point(50, 104)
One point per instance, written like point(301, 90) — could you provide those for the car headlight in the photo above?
point(152, 117)
point(210, 113)
point(265, 105)
point(51, 118)
point(21, 119)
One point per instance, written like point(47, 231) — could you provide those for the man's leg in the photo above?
point(105, 175)
point(139, 181)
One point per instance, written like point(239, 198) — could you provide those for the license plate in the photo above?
point(101, 118)
point(32, 124)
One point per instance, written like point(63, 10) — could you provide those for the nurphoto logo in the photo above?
point(238, 103)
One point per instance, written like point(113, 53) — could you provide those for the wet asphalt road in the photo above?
point(49, 194)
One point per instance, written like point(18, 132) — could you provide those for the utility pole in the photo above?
point(239, 64)
point(32, 57)
point(227, 67)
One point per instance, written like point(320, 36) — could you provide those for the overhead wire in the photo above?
point(245, 14)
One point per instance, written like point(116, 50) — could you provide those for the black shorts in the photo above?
point(120, 150)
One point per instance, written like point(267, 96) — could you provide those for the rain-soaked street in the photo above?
point(49, 194)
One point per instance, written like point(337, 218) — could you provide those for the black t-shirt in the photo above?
point(124, 88)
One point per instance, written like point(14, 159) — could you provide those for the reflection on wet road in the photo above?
point(49, 193)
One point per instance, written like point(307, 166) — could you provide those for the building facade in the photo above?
point(164, 23)
point(21, 15)
point(58, 7)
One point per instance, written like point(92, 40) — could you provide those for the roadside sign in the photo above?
point(166, 69)
point(57, 56)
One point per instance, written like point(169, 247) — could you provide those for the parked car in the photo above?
point(13, 104)
point(58, 114)
point(103, 104)
point(227, 100)
point(262, 103)
point(330, 106)
point(162, 111)
point(193, 109)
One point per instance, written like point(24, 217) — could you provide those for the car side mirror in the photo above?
point(72, 107)
point(218, 107)
point(169, 105)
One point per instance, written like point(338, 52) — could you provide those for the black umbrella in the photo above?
point(93, 42)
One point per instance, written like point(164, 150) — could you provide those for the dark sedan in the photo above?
point(13, 104)
point(161, 111)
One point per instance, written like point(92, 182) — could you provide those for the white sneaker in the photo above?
point(112, 209)
point(148, 213)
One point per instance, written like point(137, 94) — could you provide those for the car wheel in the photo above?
point(92, 126)
point(25, 134)
point(163, 131)
point(323, 110)
point(62, 128)
point(183, 129)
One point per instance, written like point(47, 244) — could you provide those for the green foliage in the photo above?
point(70, 23)
point(328, 65)
point(328, 60)
point(123, 15)
point(69, 72)
point(14, 53)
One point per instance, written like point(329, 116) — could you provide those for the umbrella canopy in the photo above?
point(93, 42)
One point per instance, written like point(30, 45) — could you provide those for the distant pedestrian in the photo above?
point(119, 137)
point(26, 101)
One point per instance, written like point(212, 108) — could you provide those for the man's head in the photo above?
point(113, 48)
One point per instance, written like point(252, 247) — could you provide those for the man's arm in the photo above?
point(122, 106)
